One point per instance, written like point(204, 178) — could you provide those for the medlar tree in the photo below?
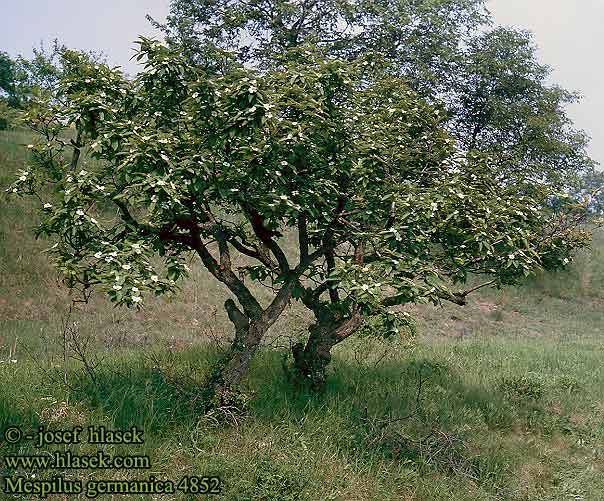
point(384, 208)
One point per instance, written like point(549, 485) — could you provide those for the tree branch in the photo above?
point(303, 236)
point(251, 306)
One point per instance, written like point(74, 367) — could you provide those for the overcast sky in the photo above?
point(568, 32)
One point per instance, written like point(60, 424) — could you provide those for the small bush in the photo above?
point(526, 387)
point(568, 384)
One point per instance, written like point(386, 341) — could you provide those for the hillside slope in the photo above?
point(502, 399)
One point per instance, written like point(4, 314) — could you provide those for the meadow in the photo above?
point(500, 400)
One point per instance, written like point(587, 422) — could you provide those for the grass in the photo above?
point(501, 399)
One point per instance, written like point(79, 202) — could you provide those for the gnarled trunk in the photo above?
point(311, 360)
point(235, 364)
point(249, 331)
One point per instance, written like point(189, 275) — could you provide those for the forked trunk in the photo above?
point(230, 371)
point(236, 363)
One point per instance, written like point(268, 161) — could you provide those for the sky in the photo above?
point(568, 33)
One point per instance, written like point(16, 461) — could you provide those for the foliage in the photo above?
point(7, 71)
point(386, 209)
point(503, 107)
point(23, 80)
point(258, 32)
point(495, 93)
point(591, 189)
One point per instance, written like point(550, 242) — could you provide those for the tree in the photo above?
point(22, 79)
point(501, 105)
point(7, 69)
point(591, 191)
point(384, 208)
point(494, 91)
point(420, 36)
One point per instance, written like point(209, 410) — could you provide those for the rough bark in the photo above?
point(229, 373)
point(248, 336)
point(311, 360)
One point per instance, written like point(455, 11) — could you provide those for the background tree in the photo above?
point(502, 106)
point(7, 73)
point(23, 79)
point(495, 93)
point(7, 78)
point(420, 36)
point(590, 190)
point(384, 208)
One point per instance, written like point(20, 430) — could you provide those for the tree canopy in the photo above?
point(494, 92)
point(23, 79)
point(384, 208)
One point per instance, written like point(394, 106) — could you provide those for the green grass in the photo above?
point(501, 399)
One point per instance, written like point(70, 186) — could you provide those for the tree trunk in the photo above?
point(250, 328)
point(230, 371)
point(236, 363)
point(311, 360)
